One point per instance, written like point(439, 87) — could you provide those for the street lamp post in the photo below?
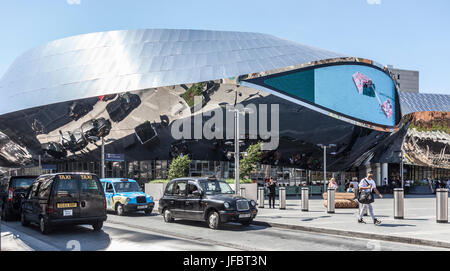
point(401, 168)
point(236, 151)
point(400, 154)
point(236, 145)
point(325, 163)
point(103, 159)
point(102, 170)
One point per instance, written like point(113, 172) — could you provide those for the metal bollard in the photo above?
point(282, 197)
point(330, 200)
point(442, 205)
point(242, 191)
point(399, 203)
point(261, 197)
point(305, 199)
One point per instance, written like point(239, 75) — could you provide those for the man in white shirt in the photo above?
point(368, 185)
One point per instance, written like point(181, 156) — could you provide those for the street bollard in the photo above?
point(399, 203)
point(305, 199)
point(330, 200)
point(242, 191)
point(261, 197)
point(282, 197)
point(442, 205)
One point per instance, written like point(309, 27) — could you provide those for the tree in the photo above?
point(249, 161)
point(179, 166)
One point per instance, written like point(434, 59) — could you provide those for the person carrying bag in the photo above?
point(366, 198)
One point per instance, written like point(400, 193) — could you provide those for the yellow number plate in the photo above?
point(67, 205)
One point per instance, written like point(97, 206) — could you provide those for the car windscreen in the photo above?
point(216, 187)
point(22, 183)
point(127, 187)
point(67, 185)
point(90, 184)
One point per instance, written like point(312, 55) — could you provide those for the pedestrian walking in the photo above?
point(271, 186)
point(366, 188)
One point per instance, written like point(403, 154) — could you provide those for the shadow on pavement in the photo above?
point(396, 225)
point(231, 226)
point(135, 214)
point(314, 218)
point(65, 237)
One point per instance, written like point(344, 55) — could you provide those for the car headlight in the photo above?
point(227, 205)
point(150, 198)
point(253, 203)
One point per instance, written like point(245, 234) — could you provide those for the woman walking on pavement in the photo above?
point(368, 185)
point(271, 186)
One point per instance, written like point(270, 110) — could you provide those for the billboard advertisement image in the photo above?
point(358, 92)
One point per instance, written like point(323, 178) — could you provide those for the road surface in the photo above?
point(150, 232)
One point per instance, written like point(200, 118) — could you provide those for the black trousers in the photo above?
point(271, 200)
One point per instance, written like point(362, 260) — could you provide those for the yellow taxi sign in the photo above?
point(66, 205)
point(65, 177)
point(86, 177)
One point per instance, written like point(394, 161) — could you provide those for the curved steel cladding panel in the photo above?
point(116, 61)
point(418, 102)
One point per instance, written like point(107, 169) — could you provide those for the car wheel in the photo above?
point(44, 226)
point(148, 211)
point(214, 220)
point(168, 218)
point(119, 209)
point(97, 226)
point(23, 220)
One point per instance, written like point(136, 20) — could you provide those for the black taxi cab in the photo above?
point(205, 199)
point(65, 199)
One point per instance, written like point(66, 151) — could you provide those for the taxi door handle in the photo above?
point(172, 202)
point(188, 203)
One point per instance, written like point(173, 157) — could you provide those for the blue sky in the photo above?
point(409, 34)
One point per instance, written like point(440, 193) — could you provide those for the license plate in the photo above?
point(244, 215)
point(142, 207)
point(67, 205)
point(67, 212)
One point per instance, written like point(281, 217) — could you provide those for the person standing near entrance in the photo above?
point(368, 185)
point(333, 184)
point(271, 186)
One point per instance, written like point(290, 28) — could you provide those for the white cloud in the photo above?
point(374, 2)
point(73, 2)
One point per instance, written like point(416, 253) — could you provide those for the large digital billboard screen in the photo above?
point(360, 92)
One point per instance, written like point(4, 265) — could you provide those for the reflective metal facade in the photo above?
point(116, 61)
point(419, 102)
point(53, 102)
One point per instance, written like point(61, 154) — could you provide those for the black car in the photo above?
point(12, 192)
point(205, 199)
point(65, 199)
point(79, 109)
point(73, 141)
point(95, 129)
point(54, 149)
point(122, 106)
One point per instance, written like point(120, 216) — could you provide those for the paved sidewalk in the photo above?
point(418, 227)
